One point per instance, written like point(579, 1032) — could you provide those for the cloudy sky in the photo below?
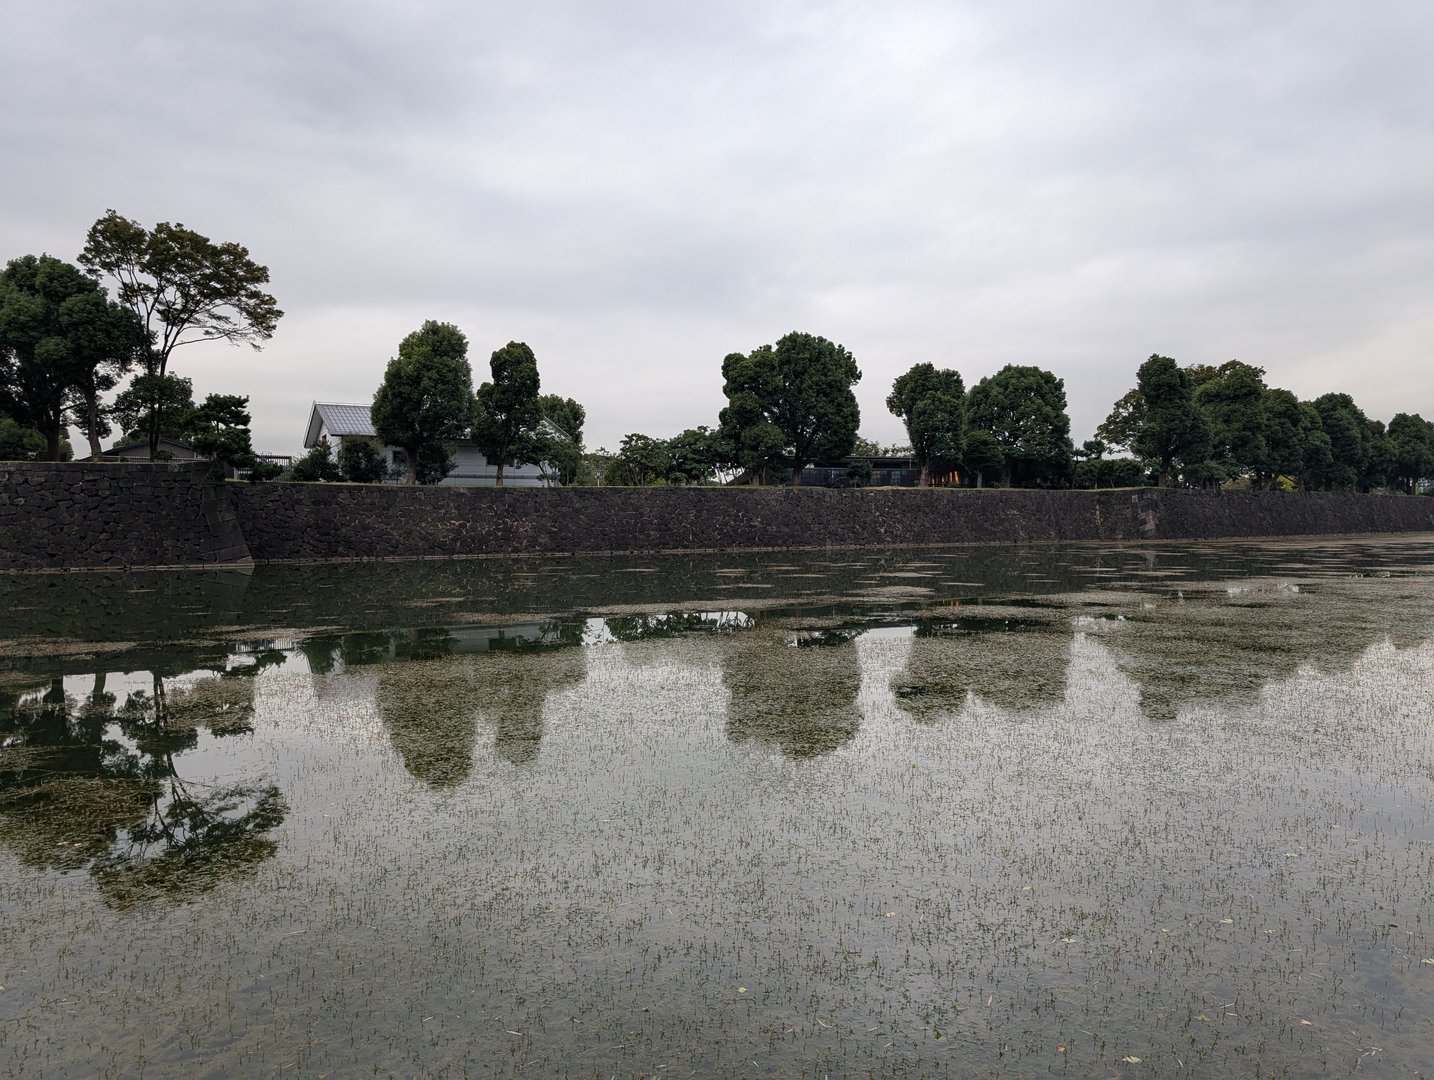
point(638, 187)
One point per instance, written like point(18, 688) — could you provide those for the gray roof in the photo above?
point(338, 420)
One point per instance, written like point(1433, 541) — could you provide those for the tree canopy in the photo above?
point(1171, 427)
point(932, 404)
point(790, 402)
point(1024, 409)
point(507, 415)
point(426, 398)
point(62, 343)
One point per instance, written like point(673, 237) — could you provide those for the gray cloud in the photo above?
point(637, 189)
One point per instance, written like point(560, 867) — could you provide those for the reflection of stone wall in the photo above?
point(57, 515)
point(80, 515)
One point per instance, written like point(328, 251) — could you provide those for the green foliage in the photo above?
point(984, 457)
point(318, 465)
point(640, 460)
point(62, 343)
point(790, 402)
point(1024, 410)
point(426, 397)
point(18, 442)
point(1233, 403)
point(507, 415)
point(1121, 427)
point(932, 404)
point(692, 455)
point(183, 287)
point(1412, 442)
point(361, 461)
point(219, 430)
point(154, 407)
point(1349, 439)
point(1172, 431)
point(560, 439)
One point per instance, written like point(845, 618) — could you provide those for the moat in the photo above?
point(1018, 811)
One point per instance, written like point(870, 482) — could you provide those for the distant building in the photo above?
point(337, 422)
point(885, 472)
point(138, 450)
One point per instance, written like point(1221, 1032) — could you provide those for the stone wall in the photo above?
point(353, 522)
point(77, 515)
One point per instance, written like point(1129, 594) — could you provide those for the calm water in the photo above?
point(990, 812)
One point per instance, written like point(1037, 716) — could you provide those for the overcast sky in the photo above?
point(636, 189)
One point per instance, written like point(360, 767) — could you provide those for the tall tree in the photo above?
point(1171, 426)
point(1233, 402)
point(560, 439)
point(61, 342)
point(1349, 438)
point(932, 404)
point(1024, 410)
point(426, 398)
point(155, 407)
point(507, 415)
point(752, 443)
point(182, 286)
point(1413, 441)
point(219, 430)
point(798, 392)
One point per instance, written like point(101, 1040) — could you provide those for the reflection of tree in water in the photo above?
point(797, 693)
point(431, 707)
point(646, 627)
point(1016, 662)
point(94, 785)
point(1223, 643)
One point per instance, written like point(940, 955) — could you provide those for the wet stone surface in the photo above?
point(1007, 812)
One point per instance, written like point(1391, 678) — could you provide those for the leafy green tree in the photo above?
point(182, 287)
point(507, 415)
point(1379, 458)
point(794, 400)
point(1233, 402)
point(426, 398)
point(932, 404)
point(692, 455)
point(1024, 410)
point(318, 465)
point(1172, 428)
point(753, 443)
point(361, 461)
point(1120, 428)
point(640, 460)
point(984, 456)
point(1317, 468)
point(18, 442)
point(560, 439)
point(1349, 438)
point(155, 407)
point(1412, 438)
point(219, 430)
point(1285, 437)
point(61, 342)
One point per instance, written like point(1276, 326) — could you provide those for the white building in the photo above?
point(337, 422)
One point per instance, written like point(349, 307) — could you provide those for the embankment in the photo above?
point(87, 516)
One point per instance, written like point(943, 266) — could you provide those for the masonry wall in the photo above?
point(353, 522)
point(76, 515)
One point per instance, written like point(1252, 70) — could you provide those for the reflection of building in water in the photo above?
point(794, 692)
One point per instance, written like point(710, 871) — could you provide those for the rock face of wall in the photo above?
point(75, 515)
point(282, 522)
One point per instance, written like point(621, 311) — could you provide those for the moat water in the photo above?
point(1071, 811)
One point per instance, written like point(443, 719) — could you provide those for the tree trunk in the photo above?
point(92, 416)
point(498, 476)
point(412, 467)
point(52, 445)
point(924, 480)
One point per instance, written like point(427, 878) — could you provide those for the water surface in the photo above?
point(965, 812)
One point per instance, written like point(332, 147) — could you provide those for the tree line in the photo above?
point(791, 405)
point(65, 344)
